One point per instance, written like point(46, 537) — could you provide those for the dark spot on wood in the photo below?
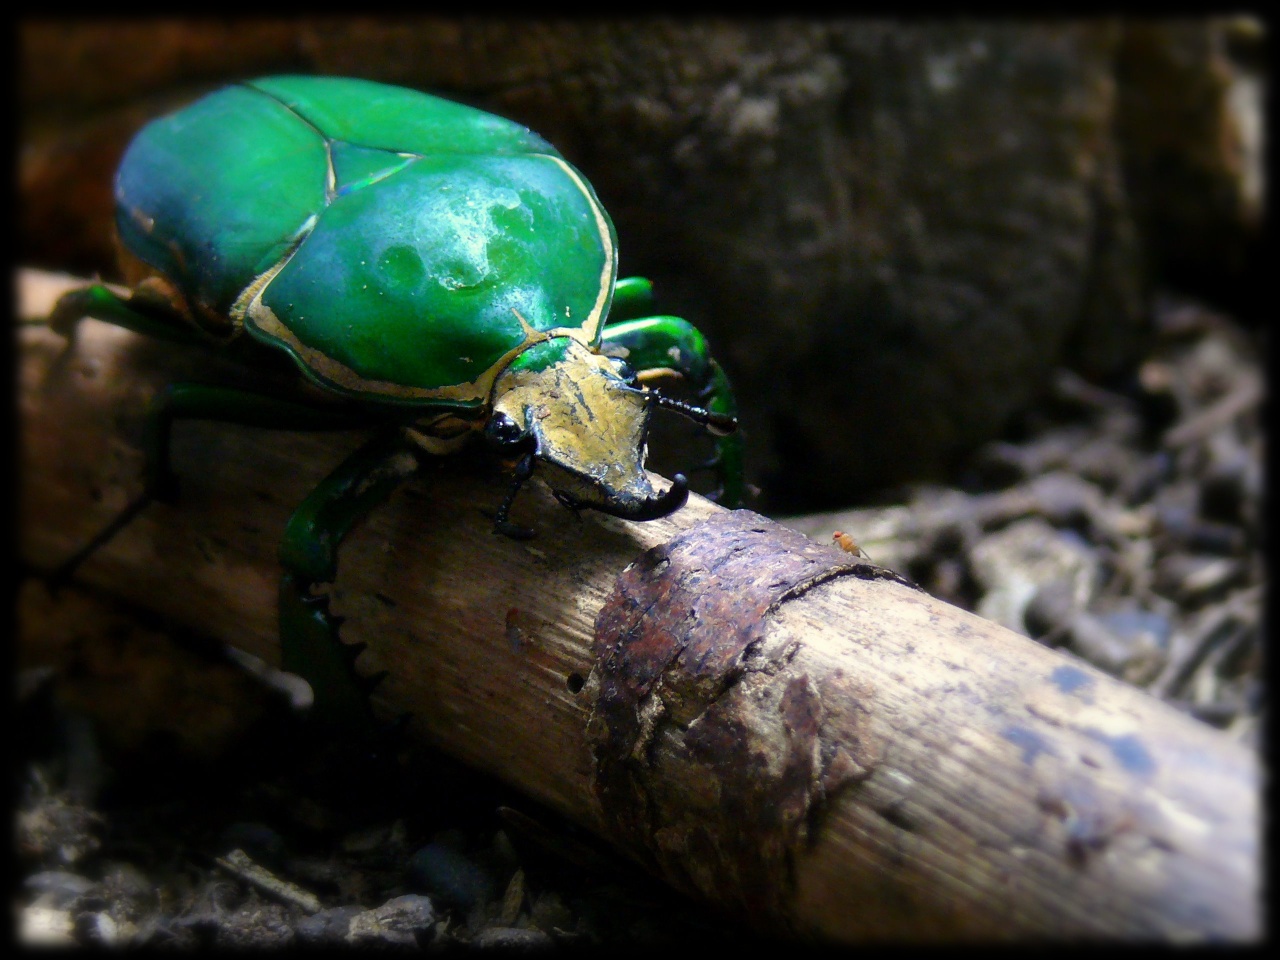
point(1073, 681)
point(1129, 751)
point(1030, 742)
point(1053, 805)
point(1090, 831)
point(1081, 846)
point(515, 636)
point(575, 682)
point(897, 815)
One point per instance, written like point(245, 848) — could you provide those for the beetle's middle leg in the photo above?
point(309, 643)
point(665, 346)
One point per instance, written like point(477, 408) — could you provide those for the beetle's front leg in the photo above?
point(309, 643)
point(665, 346)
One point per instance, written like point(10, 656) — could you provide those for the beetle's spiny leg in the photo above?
point(523, 471)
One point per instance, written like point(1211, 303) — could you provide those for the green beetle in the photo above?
point(434, 271)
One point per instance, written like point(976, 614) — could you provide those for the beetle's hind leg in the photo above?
point(308, 633)
point(662, 346)
point(144, 311)
point(191, 401)
point(310, 644)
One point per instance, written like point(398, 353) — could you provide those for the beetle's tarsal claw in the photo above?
point(722, 426)
point(67, 313)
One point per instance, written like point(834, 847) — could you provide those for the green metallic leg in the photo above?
point(139, 315)
point(309, 635)
point(659, 345)
point(310, 645)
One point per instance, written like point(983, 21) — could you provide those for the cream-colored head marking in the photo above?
point(588, 425)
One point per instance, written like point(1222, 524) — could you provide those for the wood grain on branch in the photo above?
point(761, 719)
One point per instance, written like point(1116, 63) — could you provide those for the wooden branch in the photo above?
point(762, 719)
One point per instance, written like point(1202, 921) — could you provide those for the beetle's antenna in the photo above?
point(718, 423)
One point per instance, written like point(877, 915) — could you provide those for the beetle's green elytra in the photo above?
point(361, 248)
point(444, 271)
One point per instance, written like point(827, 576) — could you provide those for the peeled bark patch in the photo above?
point(711, 759)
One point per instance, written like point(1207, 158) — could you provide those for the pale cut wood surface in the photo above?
point(1003, 790)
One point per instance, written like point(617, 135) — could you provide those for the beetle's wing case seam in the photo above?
point(595, 319)
point(253, 292)
point(250, 310)
point(330, 174)
point(262, 319)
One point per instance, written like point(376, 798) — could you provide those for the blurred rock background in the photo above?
point(892, 232)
